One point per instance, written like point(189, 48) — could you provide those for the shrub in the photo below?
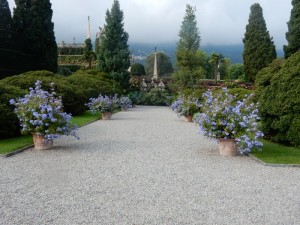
point(186, 105)
point(103, 103)
point(223, 116)
point(9, 123)
point(156, 97)
point(135, 97)
point(41, 113)
point(92, 83)
point(125, 102)
point(278, 91)
point(72, 96)
point(72, 67)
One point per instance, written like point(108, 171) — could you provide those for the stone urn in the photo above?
point(188, 118)
point(228, 147)
point(40, 143)
point(106, 115)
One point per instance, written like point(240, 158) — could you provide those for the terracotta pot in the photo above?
point(40, 143)
point(106, 115)
point(188, 118)
point(228, 147)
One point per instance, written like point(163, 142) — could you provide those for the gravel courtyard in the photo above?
point(145, 166)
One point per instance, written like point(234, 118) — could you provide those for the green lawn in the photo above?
point(12, 144)
point(278, 154)
point(86, 118)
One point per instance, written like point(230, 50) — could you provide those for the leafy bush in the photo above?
point(103, 103)
point(223, 116)
point(155, 97)
point(40, 112)
point(278, 91)
point(72, 96)
point(186, 105)
point(72, 67)
point(92, 83)
point(9, 123)
point(64, 71)
point(135, 97)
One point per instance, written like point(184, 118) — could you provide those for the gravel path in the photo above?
point(145, 166)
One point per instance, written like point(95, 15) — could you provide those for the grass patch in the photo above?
point(12, 144)
point(86, 118)
point(278, 154)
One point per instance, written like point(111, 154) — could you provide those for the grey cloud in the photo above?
point(150, 21)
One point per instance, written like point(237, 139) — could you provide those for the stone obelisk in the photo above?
point(155, 74)
point(89, 29)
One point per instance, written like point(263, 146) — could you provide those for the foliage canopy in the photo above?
point(259, 49)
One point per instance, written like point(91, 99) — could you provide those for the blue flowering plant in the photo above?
point(103, 103)
point(224, 116)
point(41, 112)
point(125, 102)
point(186, 105)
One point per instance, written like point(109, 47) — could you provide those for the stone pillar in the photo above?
point(89, 29)
point(155, 74)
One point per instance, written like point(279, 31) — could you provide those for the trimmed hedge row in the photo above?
point(75, 91)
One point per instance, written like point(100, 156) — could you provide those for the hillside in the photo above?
point(234, 52)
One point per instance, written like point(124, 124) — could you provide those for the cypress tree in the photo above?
point(32, 19)
point(21, 21)
point(293, 34)
point(13, 61)
point(189, 40)
point(5, 25)
point(187, 51)
point(114, 54)
point(259, 49)
point(88, 52)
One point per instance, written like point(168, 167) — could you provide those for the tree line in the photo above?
point(27, 39)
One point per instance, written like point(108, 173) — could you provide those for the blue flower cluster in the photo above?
point(103, 103)
point(125, 102)
point(186, 105)
point(223, 116)
point(42, 113)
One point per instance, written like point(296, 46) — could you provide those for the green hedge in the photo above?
point(75, 91)
point(278, 91)
point(9, 123)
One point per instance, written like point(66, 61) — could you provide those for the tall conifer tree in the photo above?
point(189, 40)
point(189, 68)
point(293, 34)
point(6, 25)
point(114, 54)
point(33, 21)
point(259, 49)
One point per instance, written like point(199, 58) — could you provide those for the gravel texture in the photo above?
point(145, 166)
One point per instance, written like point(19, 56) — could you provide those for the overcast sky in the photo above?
point(156, 21)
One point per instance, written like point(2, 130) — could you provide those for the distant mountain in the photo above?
point(234, 52)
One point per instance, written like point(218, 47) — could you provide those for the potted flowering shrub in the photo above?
point(186, 107)
point(41, 114)
point(104, 104)
point(125, 103)
point(231, 121)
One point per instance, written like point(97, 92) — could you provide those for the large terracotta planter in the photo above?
point(188, 118)
point(228, 147)
point(40, 143)
point(106, 115)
